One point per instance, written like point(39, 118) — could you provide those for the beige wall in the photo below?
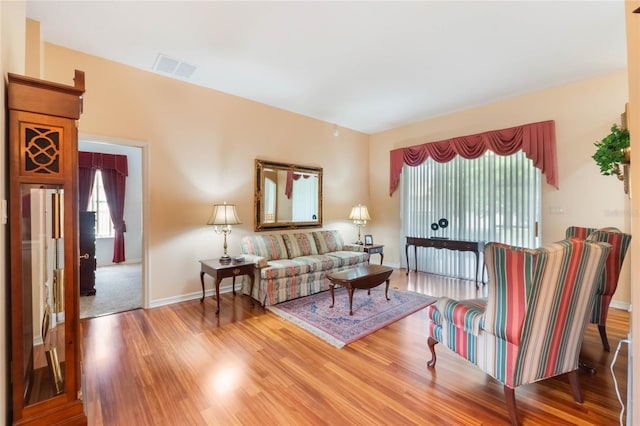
point(633, 63)
point(583, 112)
point(201, 150)
point(32, 60)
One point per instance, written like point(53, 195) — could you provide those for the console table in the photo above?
point(444, 243)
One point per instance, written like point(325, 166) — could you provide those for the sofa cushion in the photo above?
point(271, 247)
point(328, 241)
point(301, 244)
point(320, 262)
point(284, 268)
point(347, 258)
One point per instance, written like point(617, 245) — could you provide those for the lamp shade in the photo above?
point(359, 213)
point(224, 214)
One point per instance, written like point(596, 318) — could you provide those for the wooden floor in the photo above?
point(180, 365)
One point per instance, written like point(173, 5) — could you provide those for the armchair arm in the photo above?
point(467, 315)
point(353, 247)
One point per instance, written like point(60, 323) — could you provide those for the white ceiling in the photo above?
point(368, 66)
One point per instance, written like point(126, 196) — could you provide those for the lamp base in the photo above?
point(225, 259)
point(360, 243)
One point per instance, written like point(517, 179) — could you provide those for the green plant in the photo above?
point(611, 151)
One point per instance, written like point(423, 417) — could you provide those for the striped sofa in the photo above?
point(297, 264)
point(608, 281)
point(531, 325)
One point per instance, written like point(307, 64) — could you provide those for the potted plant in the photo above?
point(612, 151)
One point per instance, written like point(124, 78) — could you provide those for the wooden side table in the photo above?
point(219, 271)
point(373, 249)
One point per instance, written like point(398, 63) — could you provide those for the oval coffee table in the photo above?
point(362, 277)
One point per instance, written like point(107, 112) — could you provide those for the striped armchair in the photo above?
point(609, 279)
point(531, 325)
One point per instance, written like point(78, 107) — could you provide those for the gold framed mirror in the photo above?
point(287, 196)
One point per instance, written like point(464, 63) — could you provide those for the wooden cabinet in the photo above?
point(43, 250)
point(87, 253)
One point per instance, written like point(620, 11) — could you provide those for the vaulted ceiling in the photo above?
point(368, 66)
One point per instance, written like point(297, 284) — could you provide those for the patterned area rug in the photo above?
point(336, 326)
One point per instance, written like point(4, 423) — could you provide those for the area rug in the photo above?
point(336, 326)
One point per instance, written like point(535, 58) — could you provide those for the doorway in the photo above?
point(119, 286)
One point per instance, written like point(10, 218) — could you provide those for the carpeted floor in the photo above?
point(118, 288)
point(336, 326)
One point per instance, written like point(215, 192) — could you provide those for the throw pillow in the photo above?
point(301, 244)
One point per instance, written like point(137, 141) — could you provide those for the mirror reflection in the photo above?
point(43, 291)
point(288, 196)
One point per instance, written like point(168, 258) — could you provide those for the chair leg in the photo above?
point(603, 337)
point(510, 398)
point(589, 369)
point(574, 381)
point(431, 342)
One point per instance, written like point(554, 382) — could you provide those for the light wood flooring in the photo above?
point(182, 365)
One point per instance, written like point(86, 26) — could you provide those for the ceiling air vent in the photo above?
point(174, 67)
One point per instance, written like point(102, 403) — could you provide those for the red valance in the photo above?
point(97, 160)
point(291, 176)
point(537, 140)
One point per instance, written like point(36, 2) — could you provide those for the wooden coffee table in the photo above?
point(363, 277)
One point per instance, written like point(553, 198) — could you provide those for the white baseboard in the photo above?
point(620, 305)
point(126, 262)
point(191, 296)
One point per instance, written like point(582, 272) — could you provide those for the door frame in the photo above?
point(144, 147)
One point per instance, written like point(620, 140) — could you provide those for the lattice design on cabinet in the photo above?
point(42, 150)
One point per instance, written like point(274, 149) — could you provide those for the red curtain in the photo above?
point(537, 140)
point(114, 169)
point(288, 188)
point(86, 176)
point(114, 188)
point(291, 176)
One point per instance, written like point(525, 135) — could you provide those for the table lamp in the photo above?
point(360, 216)
point(222, 217)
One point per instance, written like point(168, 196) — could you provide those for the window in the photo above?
point(98, 204)
point(491, 198)
point(305, 192)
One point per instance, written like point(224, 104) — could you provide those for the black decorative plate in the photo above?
point(434, 226)
point(443, 223)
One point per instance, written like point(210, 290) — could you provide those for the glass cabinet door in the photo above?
point(42, 242)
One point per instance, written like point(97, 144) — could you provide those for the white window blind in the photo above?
point(491, 198)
